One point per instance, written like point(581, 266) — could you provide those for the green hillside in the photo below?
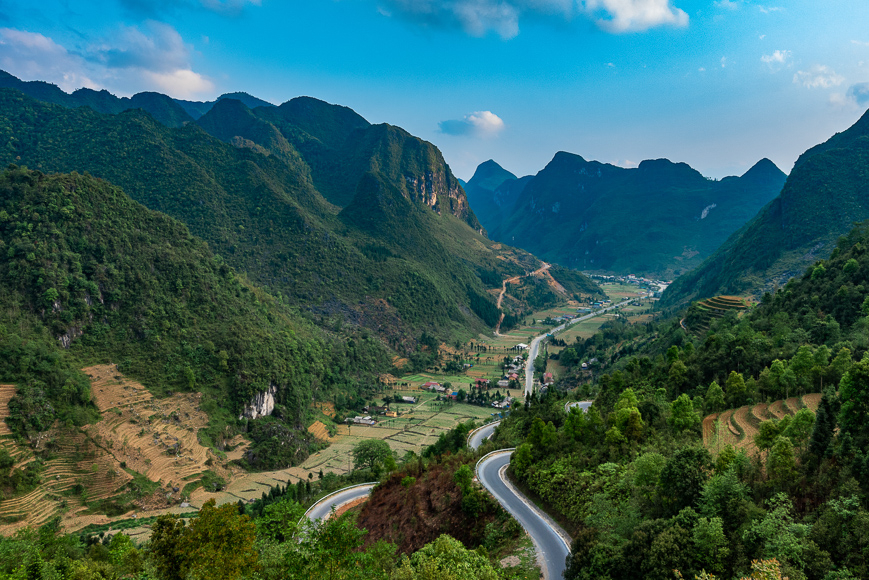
point(823, 197)
point(89, 276)
point(164, 109)
point(659, 219)
point(706, 451)
point(255, 201)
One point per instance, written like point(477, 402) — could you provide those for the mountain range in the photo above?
point(356, 224)
point(661, 218)
point(824, 195)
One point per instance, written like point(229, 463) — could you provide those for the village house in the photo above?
point(367, 420)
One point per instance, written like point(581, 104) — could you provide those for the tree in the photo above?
point(683, 477)
point(372, 454)
point(683, 415)
point(710, 543)
point(445, 559)
point(800, 428)
point(825, 426)
point(279, 520)
point(714, 398)
point(330, 549)
point(735, 388)
point(217, 545)
point(781, 464)
point(854, 393)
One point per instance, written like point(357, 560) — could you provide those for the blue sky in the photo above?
point(717, 84)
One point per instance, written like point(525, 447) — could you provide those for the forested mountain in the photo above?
point(358, 224)
point(164, 109)
point(493, 191)
point(661, 218)
point(782, 472)
point(825, 194)
point(198, 108)
point(88, 275)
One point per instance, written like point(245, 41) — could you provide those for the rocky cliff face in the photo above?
point(441, 191)
point(262, 404)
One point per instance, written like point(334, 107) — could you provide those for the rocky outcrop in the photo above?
point(262, 404)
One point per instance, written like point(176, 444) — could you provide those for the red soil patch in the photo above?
point(709, 428)
point(812, 401)
point(341, 510)
point(416, 515)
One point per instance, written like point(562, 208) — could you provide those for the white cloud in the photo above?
point(479, 17)
point(33, 55)
point(818, 77)
point(701, 69)
point(777, 59)
point(770, 9)
point(132, 59)
point(181, 83)
point(477, 124)
point(856, 97)
point(727, 4)
point(723, 62)
point(762, 36)
point(860, 43)
point(636, 15)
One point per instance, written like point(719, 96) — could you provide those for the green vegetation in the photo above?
point(660, 218)
point(822, 198)
point(641, 495)
point(164, 109)
point(398, 255)
point(83, 266)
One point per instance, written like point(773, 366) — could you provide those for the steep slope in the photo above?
point(340, 147)
point(661, 218)
point(823, 197)
point(162, 108)
point(92, 276)
point(488, 179)
point(259, 209)
point(198, 108)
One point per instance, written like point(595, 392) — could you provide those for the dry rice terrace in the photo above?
point(738, 427)
point(153, 437)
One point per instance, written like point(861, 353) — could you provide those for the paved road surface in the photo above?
point(550, 546)
point(482, 434)
point(584, 405)
point(324, 508)
point(535, 344)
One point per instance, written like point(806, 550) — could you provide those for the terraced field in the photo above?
point(716, 307)
point(155, 438)
point(738, 427)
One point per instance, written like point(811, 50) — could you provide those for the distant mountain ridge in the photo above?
point(825, 194)
point(356, 224)
point(168, 111)
point(661, 218)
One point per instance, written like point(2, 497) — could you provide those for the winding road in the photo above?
point(535, 344)
point(552, 547)
point(323, 508)
point(477, 436)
